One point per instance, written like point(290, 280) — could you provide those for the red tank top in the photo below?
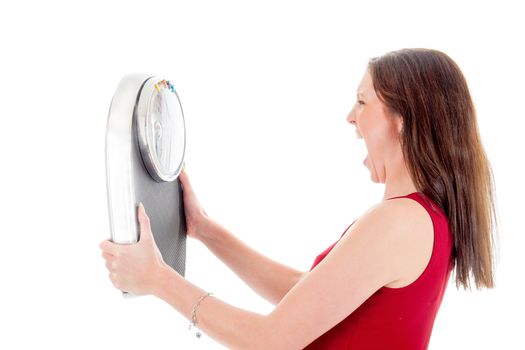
point(397, 318)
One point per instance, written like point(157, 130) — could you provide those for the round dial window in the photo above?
point(161, 129)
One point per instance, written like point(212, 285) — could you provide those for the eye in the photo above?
point(360, 102)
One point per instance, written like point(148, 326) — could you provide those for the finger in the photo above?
point(145, 224)
point(108, 257)
point(185, 181)
point(181, 175)
point(113, 279)
point(109, 247)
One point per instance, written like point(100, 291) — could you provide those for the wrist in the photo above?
point(212, 234)
point(208, 230)
point(165, 277)
point(175, 290)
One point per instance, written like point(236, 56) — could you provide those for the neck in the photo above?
point(398, 181)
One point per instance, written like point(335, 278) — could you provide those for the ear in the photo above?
point(399, 123)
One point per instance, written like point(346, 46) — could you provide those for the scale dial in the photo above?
point(161, 129)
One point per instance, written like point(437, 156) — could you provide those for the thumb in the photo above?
point(145, 225)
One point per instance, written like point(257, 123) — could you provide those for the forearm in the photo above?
point(268, 278)
point(233, 327)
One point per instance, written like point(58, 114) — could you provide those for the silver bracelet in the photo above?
point(193, 321)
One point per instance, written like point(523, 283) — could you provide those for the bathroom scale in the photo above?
point(145, 148)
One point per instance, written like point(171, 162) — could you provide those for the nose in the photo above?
point(351, 117)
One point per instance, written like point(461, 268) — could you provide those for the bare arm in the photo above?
point(268, 278)
point(375, 252)
point(369, 256)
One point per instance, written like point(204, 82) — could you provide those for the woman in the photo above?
point(381, 284)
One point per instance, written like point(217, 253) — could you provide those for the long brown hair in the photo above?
point(443, 151)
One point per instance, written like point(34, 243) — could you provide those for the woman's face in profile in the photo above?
point(379, 130)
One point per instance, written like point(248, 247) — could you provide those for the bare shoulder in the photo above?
point(401, 212)
point(378, 250)
point(406, 226)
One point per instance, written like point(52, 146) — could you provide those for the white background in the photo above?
point(265, 87)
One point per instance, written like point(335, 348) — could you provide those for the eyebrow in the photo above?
point(360, 94)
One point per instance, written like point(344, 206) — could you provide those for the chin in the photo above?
point(375, 179)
